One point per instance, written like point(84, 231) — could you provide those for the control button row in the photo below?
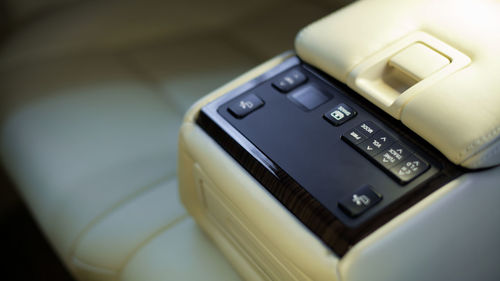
point(388, 152)
point(290, 81)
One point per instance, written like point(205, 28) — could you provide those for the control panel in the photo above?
point(341, 150)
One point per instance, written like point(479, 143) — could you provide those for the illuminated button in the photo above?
point(394, 154)
point(290, 81)
point(409, 169)
point(243, 106)
point(340, 114)
point(368, 128)
point(354, 136)
point(359, 201)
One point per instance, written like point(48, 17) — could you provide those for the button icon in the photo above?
point(368, 128)
point(361, 200)
point(245, 105)
point(290, 81)
point(409, 169)
point(340, 114)
point(337, 115)
point(353, 136)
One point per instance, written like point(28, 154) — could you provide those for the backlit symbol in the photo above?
point(288, 79)
point(384, 139)
point(337, 115)
point(245, 104)
point(376, 143)
point(369, 148)
point(356, 136)
point(400, 151)
point(409, 168)
point(362, 200)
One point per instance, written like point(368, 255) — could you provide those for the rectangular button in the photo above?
point(354, 136)
point(398, 151)
point(409, 169)
point(368, 128)
point(382, 140)
point(340, 114)
point(394, 154)
point(361, 200)
point(243, 106)
point(290, 81)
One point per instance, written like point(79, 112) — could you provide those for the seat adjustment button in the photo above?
point(290, 81)
point(243, 106)
point(359, 201)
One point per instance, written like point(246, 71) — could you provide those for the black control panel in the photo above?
point(327, 139)
point(391, 154)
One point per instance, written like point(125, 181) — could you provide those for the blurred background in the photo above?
point(175, 50)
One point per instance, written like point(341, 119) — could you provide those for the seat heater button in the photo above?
point(290, 81)
point(368, 128)
point(354, 136)
point(243, 106)
point(340, 114)
point(358, 202)
point(410, 168)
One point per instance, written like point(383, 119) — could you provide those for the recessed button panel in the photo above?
point(243, 106)
point(389, 153)
point(359, 201)
point(290, 81)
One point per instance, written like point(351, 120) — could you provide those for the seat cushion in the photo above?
point(92, 98)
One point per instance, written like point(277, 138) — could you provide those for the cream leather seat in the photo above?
point(92, 97)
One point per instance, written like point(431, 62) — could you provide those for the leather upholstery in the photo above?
point(92, 99)
point(458, 112)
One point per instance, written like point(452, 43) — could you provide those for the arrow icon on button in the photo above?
point(369, 148)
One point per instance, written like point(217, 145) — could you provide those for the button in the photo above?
point(290, 81)
point(360, 201)
point(368, 147)
point(382, 140)
point(368, 128)
point(245, 105)
point(398, 151)
point(410, 168)
point(308, 97)
point(419, 61)
point(354, 136)
point(386, 159)
point(340, 114)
